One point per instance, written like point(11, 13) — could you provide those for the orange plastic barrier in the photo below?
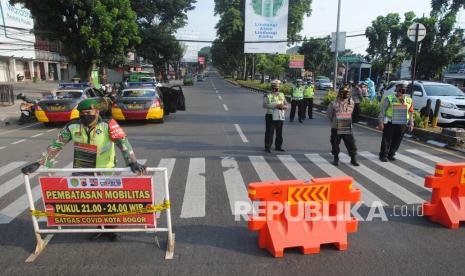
point(295, 225)
point(447, 205)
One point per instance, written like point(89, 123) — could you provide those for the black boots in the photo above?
point(336, 160)
point(353, 161)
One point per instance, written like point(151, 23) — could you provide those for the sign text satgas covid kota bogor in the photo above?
point(89, 200)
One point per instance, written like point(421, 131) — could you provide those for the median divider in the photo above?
point(304, 214)
point(447, 205)
point(96, 201)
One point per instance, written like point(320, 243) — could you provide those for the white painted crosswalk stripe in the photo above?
point(368, 197)
point(294, 167)
point(388, 185)
point(193, 204)
point(426, 155)
point(420, 165)
point(262, 168)
point(411, 177)
point(11, 166)
point(18, 206)
point(235, 186)
point(194, 196)
point(159, 181)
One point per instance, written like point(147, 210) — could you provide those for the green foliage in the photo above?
point(206, 52)
point(286, 89)
point(98, 32)
point(370, 108)
point(418, 120)
point(171, 14)
point(273, 65)
point(158, 20)
point(441, 46)
point(329, 98)
point(318, 56)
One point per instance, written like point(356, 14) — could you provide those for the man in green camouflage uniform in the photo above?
point(94, 142)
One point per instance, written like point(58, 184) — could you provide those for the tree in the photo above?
point(387, 32)
point(99, 32)
point(206, 52)
point(158, 20)
point(318, 56)
point(273, 65)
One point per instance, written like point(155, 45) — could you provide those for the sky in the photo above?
point(356, 16)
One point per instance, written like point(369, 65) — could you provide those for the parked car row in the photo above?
point(137, 101)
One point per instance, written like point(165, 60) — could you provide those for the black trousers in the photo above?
point(392, 137)
point(271, 126)
point(356, 113)
point(308, 103)
point(300, 112)
point(348, 139)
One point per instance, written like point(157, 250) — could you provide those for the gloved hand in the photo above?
point(138, 168)
point(30, 168)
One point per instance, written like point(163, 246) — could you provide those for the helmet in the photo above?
point(402, 85)
point(275, 83)
point(344, 89)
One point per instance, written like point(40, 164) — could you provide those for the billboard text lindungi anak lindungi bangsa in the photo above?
point(267, 8)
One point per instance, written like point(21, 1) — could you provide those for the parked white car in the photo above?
point(452, 99)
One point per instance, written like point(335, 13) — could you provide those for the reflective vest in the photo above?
point(271, 98)
point(298, 93)
point(308, 92)
point(99, 137)
point(393, 100)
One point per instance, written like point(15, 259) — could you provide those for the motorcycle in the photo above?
point(27, 108)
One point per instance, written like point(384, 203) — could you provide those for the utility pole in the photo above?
point(337, 42)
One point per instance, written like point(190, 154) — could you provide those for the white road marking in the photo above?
point(158, 178)
point(219, 97)
point(239, 130)
point(294, 167)
point(262, 168)
point(436, 143)
point(411, 177)
point(11, 166)
point(368, 197)
point(412, 162)
point(225, 107)
point(50, 130)
point(194, 196)
point(18, 206)
point(388, 185)
point(19, 141)
point(37, 135)
point(2, 148)
point(216, 91)
point(235, 187)
point(428, 156)
point(16, 129)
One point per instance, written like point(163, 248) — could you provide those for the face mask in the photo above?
point(87, 119)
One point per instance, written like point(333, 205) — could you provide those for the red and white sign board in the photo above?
point(97, 200)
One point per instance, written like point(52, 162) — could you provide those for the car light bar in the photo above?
point(74, 85)
point(139, 84)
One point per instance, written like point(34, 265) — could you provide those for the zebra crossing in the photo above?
point(402, 180)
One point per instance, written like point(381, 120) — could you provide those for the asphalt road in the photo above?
point(214, 150)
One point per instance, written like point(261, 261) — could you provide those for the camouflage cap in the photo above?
point(87, 104)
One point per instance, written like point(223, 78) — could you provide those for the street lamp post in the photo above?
point(337, 42)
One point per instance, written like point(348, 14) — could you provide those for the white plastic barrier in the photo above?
point(42, 243)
